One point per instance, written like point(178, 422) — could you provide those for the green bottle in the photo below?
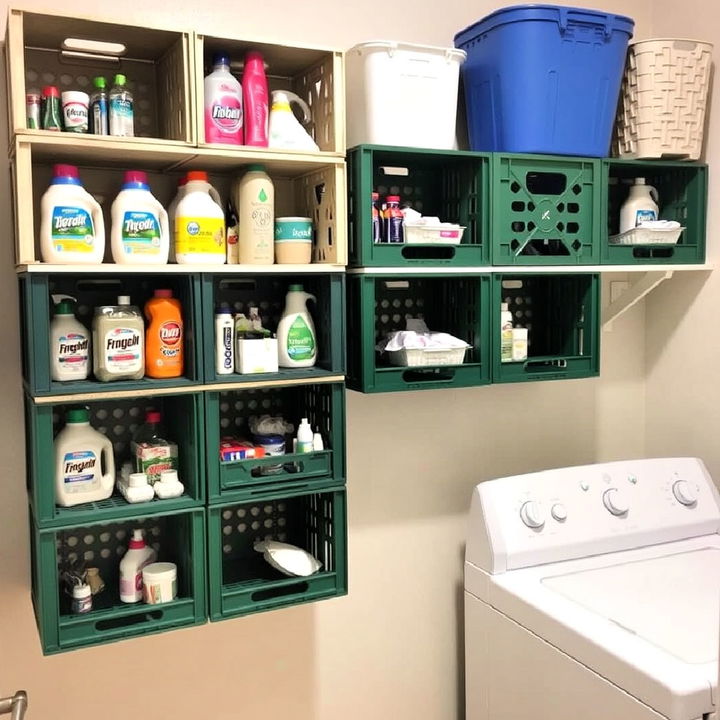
point(51, 114)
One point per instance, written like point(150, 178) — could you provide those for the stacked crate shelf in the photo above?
point(308, 500)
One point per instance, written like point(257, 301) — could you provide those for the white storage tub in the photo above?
point(433, 234)
point(402, 94)
point(425, 357)
point(647, 236)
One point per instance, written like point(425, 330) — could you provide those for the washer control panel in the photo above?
point(580, 511)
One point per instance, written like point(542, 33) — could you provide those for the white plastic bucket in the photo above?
point(402, 94)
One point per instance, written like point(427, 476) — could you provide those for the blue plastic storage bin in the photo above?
point(544, 79)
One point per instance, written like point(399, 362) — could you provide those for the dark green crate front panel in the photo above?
point(240, 580)
point(682, 189)
point(377, 305)
point(267, 293)
point(562, 315)
point(227, 413)
point(91, 291)
point(453, 186)
point(183, 418)
point(178, 538)
point(545, 210)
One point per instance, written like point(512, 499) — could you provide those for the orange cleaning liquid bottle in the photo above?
point(164, 336)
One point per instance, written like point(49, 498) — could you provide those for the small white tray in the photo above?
point(423, 357)
point(433, 234)
point(647, 236)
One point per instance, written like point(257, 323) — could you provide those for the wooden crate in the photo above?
point(316, 75)
point(158, 65)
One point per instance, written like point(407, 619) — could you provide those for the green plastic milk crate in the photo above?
point(453, 186)
point(178, 537)
point(240, 579)
point(562, 315)
point(227, 414)
point(682, 193)
point(91, 291)
point(545, 210)
point(183, 419)
point(381, 303)
point(267, 293)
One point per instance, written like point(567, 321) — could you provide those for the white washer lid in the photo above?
point(671, 602)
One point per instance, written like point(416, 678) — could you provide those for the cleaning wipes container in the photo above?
point(544, 79)
point(72, 230)
point(402, 94)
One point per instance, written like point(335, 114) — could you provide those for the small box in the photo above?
point(256, 356)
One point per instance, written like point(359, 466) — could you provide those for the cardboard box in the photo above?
point(256, 356)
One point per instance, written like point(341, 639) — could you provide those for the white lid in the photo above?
point(123, 299)
point(391, 46)
point(519, 333)
point(159, 571)
point(503, 307)
point(169, 476)
point(293, 219)
point(81, 591)
point(640, 181)
point(137, 479)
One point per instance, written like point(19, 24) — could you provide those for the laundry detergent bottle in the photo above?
point(640, 206)
point(297, 342)
point(69, 344)
point(118, 342)
point(164, 336)
point(72, 230)
point(199, 223)
point(223, 104)
point(255, 100)
point(140, 232)
point(84, 463)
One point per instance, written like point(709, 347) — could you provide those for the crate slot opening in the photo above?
point(129, 620)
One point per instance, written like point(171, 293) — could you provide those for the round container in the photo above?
point(81, 599)
point(75, 111)
point(293, 240)
point(273, 445)
point(159, 582)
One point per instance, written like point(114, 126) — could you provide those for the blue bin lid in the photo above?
point(552, 13)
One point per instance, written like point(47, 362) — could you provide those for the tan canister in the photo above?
point(255, 202)
point(293, 240)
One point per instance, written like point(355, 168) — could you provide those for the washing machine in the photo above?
point(593, 593)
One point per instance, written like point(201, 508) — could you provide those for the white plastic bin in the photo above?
point(402, 94)
point(663, 101)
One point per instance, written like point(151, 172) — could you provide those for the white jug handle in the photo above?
point(215, 195)
point(654, 194)
point(108, 479)
point(293, 98)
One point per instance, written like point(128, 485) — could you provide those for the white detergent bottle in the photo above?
point(172, 207)
point(140, 232)
point(223, 104)
point(199, 223)
point(297, 342)
point(138, 555)
point(72, 229)
point(69, 343)
point(285, 129)
point(84, 463)
point(640, 206)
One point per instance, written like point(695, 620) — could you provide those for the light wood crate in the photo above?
point(158, 65)
point(316, 75)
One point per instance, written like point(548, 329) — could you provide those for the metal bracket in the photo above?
point(634, 294)
point(15, 706)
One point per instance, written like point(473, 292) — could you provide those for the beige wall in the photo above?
point(392, 648)
point(683, 343)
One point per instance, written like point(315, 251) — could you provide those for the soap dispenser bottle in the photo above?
point(640, 206)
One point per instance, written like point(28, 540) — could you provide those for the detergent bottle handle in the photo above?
point(294, 98)
point(214, 195)
point(98, 220)
point(107, 481)
point(309, 296)
point(164, 223)
point(654, 194)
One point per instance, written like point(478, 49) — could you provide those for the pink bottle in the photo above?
point(223, 104)
point(255, 99)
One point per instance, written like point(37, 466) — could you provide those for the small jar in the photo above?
point(81, 599)
point(293, 240)
point(159, 582)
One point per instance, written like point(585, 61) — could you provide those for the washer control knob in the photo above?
point(616, 501)
point(559, 512)
point(532, 515)
point(684, 493)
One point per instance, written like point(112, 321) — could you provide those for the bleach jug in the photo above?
point(140, 232)
point(297, 342)
point(199, 223)
point(223, 104)
point(84, 463)
point(640, 206)
point(72, 230)
point(286, 132)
